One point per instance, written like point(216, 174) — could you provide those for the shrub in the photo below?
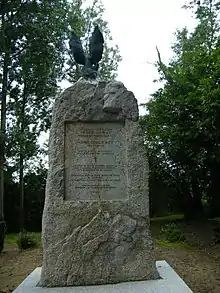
point(26, 240)
point(172, 233)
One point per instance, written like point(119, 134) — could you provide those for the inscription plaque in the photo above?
point(94, 161)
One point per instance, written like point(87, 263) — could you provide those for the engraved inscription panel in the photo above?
point(94, 161)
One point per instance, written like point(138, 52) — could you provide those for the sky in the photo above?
point(137, 27)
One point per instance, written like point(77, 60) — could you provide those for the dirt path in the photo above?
point(200, 269)
point(15, 266)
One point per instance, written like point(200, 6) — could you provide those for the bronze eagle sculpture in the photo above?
point(91, 62)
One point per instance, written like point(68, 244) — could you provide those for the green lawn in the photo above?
point(11, 239)
point(156, 224)
point(178, 244)
point(168, 218)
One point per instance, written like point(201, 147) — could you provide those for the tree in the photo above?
point(33, 33)
point(33, 55)
point(34, 194)
point(183, 119)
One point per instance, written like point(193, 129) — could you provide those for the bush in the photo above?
point(26, 240)
point(172, 233)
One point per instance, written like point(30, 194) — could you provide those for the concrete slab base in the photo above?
point(170, 282)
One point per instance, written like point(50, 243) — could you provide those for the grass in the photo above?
point(217, 219)
point(176, 217)
point(171, 217)
point(11, 239)
point(166, 243)
point(38, 237)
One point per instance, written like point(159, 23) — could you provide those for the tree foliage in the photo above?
point(183, 124)
point(37, 34)
point(34, 58)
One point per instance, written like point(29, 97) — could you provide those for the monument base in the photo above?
point(170, 282)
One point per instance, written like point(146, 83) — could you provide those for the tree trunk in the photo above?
point(21, 160)
point(21, 188)
point(193, 209)
point(2, 146)
point(213, 191)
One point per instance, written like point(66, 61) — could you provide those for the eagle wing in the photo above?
point(77, 49)
point(96, 46)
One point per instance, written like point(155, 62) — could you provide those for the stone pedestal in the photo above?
point(169, 282)
point(96, 213)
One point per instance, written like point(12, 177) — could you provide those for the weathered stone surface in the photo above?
point(96, 217)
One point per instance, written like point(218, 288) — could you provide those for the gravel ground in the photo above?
point(200, 268)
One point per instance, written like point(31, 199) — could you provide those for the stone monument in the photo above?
point(96, 213)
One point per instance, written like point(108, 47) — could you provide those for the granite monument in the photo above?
point(96, 213)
